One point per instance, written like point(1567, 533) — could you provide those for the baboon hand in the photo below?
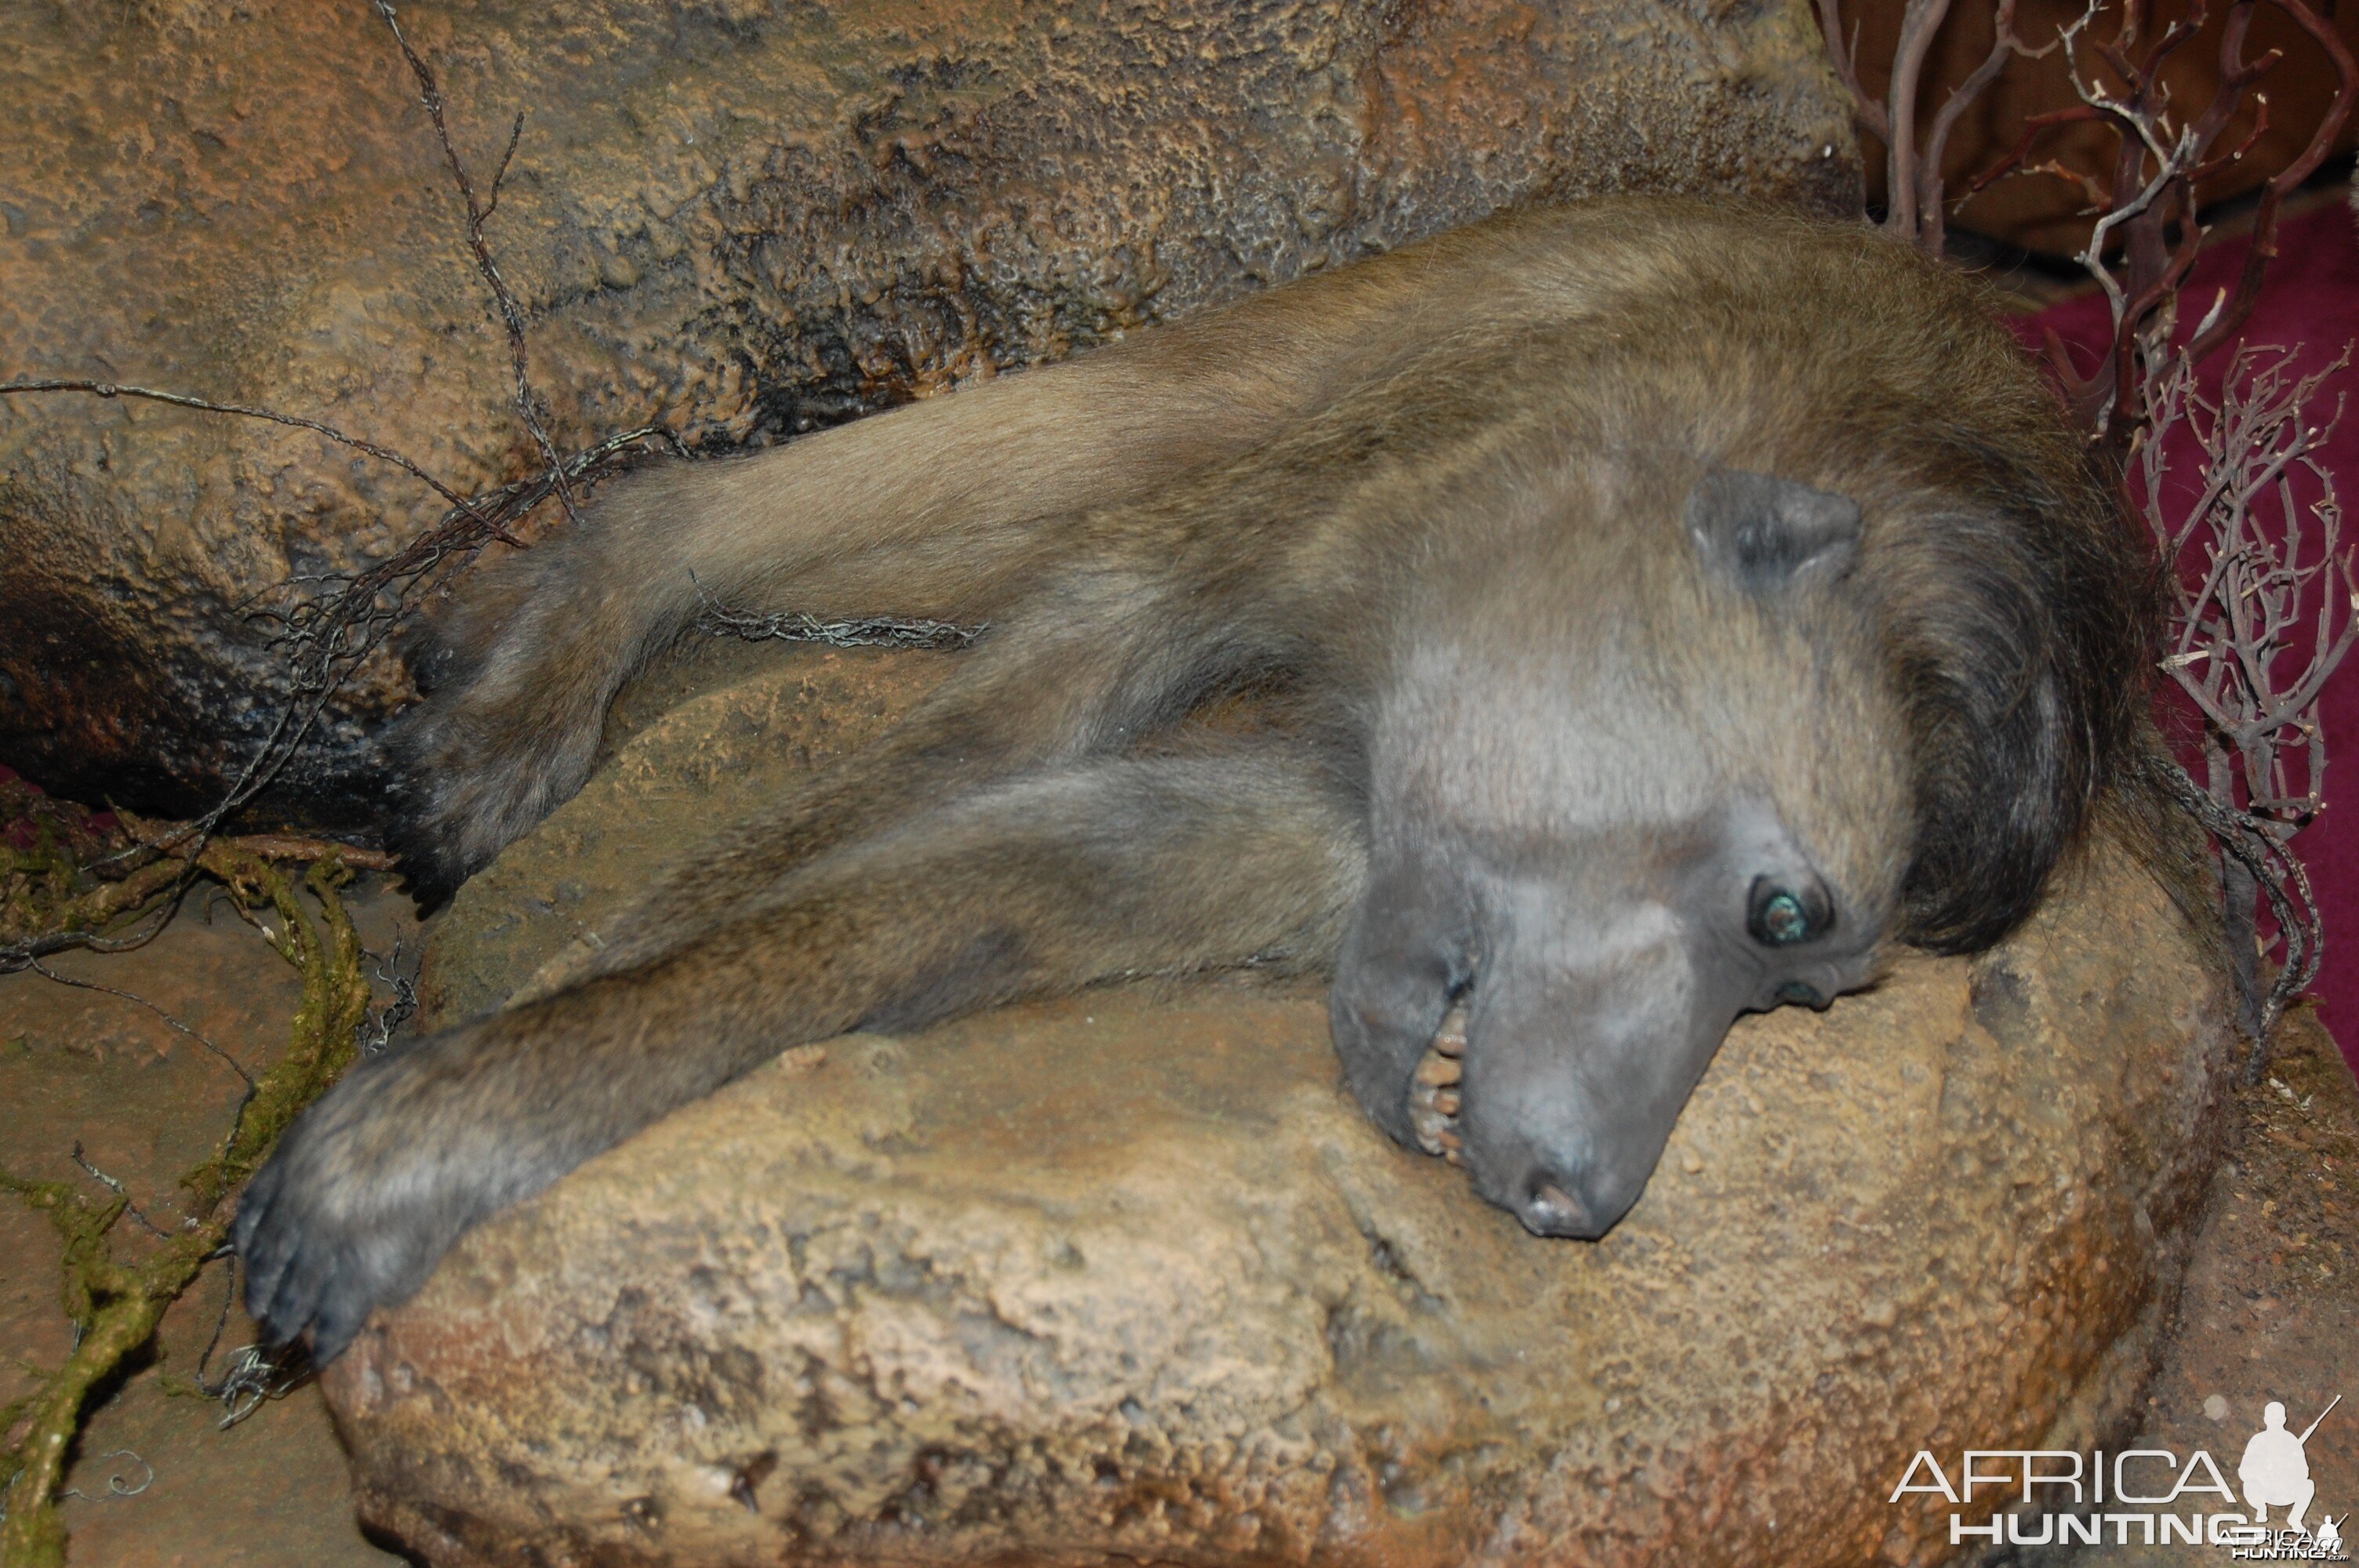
point(365, 1193)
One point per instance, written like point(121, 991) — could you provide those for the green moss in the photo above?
point(115, 1309)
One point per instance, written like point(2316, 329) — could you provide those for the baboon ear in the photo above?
point(1766, 534)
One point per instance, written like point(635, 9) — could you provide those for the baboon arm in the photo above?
point(946, 507)
point(1040, 885)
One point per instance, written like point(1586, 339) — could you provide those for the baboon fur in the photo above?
point(1652, 612)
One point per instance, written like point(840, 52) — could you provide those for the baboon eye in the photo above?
point(1781, 915)
point(1783, 920)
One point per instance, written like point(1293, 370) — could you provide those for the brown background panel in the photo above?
point(2043, 213)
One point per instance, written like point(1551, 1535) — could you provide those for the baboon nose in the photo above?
point(1551, 1206)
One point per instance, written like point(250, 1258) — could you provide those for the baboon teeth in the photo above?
point(1450, 1038)
point(1433, 1097)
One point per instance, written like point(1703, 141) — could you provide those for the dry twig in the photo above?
point(2265, 607)
point(797, 626)
point(2250, 597)
point(326, 637)
point(109, 389)
point(2146, 230)
point(430, 94)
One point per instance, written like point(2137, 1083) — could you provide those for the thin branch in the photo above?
point(2005, 48)
point(116, 1307)
point(170, 837)
point(2262, 581)
point(2015, 159)
point(430, 94)
point(507, 155)
point(1921, 24)
point(860, 632)
point(181, 400)
point(119, 1190)
point(2225, 323)
point(227, 1060)
point(1845, 55)
point(2242, 837)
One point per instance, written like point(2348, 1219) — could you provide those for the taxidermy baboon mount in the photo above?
point(1651, 612)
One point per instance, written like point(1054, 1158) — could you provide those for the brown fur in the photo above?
point(1603, 568)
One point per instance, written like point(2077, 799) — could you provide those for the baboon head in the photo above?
point(1638, 769)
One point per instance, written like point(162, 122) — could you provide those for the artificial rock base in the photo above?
point(736, 218)
point(1128, 1277)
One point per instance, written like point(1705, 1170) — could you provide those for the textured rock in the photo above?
point(736, 218)
point(1128, 1277)
point(2268, 1312)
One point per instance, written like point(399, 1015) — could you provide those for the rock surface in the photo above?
point(92, 1067)
point(1129, 1278)
point(735, 218)
point(2269, 1312)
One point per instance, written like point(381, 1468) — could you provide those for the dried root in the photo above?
point(115, 1307)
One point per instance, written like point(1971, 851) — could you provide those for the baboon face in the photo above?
point(1611, 809)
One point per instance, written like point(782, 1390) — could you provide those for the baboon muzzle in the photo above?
point(1590, 1021)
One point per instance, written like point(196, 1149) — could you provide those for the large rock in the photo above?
point(1129, 1277)
point(734, 218)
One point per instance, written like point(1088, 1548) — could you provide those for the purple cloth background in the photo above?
point(2310, 299)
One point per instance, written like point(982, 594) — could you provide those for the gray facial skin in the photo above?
point(1598, 992)
point(1604, 909)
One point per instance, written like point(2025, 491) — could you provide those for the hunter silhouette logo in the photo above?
point(2142, 1497)
point(2275, 1471)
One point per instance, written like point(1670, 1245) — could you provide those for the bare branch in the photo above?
point(500, 175)
point(2269, 615)
point(430, 94)
point(864, 631)
point(226, 1059)
point(1920, 25)
point(1844, 54)
point(119, 1190)
point(182, 400)
point(2005, 47)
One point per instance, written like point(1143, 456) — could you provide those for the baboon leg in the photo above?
point(947, 510)
point(471, 781)
point(1035, 886)
point(1073, 678)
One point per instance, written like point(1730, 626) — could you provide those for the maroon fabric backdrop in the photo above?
point(2312, 300)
